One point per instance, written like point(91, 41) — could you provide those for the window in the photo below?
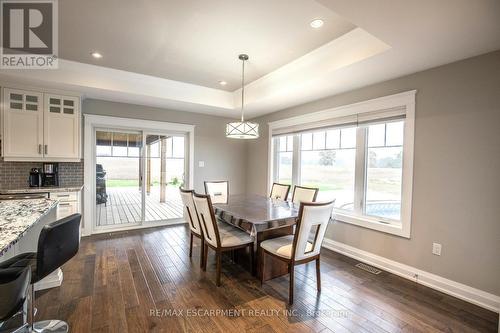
point(384, 166)
point(327, 161)
point(363, 160)
point(284, 159)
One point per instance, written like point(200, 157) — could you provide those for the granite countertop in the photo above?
point(18, 216)
point(69, 188)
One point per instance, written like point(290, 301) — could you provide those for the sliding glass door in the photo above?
point(165, 167)
point(118, 178)
point(137, 178)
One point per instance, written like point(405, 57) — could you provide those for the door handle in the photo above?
point(39, 148)
point(46, 149)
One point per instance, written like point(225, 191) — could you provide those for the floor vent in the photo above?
point(368, 268)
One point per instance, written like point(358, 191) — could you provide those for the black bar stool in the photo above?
point(58, 242)
point(14, 283)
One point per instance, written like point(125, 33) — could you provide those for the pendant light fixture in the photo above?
point(242, 129)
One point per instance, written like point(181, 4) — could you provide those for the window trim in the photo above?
point(404, 100)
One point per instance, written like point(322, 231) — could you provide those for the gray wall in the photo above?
point(224, 158)
point(456, 171)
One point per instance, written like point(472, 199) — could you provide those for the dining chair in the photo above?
point(279, 191)
point(218, 190)
point(304, 194)
point(217, 238)
point(194, 223)
point(301, 248)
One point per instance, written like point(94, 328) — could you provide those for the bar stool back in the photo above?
point(14, 283)
point(58, 243)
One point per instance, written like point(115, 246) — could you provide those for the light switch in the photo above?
point(201, 164)
point(436, 249)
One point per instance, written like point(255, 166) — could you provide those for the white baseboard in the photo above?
point(52, 280)
point(472, 295)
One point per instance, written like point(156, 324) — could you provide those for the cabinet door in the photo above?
point(61, 127)
point(66, 209)
point(23, 124)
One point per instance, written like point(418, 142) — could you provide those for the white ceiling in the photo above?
point(195, 41)
point(384, 40)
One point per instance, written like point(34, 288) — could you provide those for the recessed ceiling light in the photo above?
point(222, 83)
point(318, 23)
point(96, 55)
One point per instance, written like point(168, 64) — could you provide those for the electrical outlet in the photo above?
point(436, 249)
point(201, 164)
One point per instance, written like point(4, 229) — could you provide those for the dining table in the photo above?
point(262, 218)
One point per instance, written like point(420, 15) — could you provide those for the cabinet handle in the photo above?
point(63, 204)
point(46, 149)
point(39, 148)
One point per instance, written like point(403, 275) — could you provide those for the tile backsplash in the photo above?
point(15, 174)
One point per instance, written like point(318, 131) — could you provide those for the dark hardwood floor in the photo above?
point(144, 280)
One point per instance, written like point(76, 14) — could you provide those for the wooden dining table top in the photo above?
point(254, 213)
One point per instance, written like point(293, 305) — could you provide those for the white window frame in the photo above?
point(404, 100)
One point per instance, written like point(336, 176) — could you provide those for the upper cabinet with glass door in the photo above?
point(22, 124)
point(40, 126)
point(61, 121)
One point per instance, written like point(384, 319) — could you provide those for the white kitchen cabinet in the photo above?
point(61, 135)
point(66, 209)
point(69, 203)
point(40, 126)
point(22, 124)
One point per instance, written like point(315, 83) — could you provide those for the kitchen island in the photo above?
point(20, 224)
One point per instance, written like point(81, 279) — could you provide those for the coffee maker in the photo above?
point(35, 179)
point(50, 176)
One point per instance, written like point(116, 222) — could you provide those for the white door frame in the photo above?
point(91, 122)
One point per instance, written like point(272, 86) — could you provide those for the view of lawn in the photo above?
point(122, 182)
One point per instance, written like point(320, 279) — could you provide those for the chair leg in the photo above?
point(205, 258)
point(218, 255)
point(262, 265)
point(191, 246)
point(290, 292)
point(202, 253)
point(318, 275)
point(252, 259)
point(32, 307)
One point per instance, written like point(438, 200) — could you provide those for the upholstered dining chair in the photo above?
point(279, 191)
point(301, 248)
point(217, 238)
point(304, 194)
point(194, 223)
point(218, 190)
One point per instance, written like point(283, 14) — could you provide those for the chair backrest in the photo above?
point(304, 194)
point(14, 283)
point(58, 242)
point(218, 190)
point(313, 221)
point(207, 219)
point(190, 210)
point(279, 191)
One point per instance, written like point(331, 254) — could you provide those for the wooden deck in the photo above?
point(124, 206)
